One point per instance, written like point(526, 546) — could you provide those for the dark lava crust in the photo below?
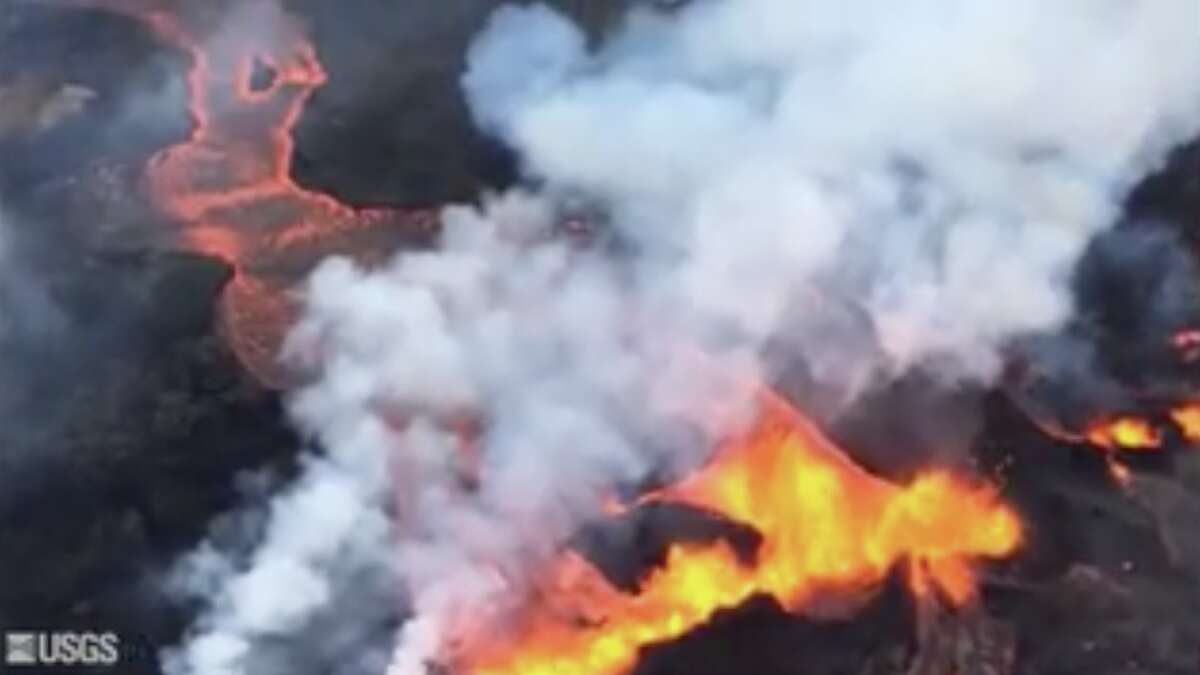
point(390, 127)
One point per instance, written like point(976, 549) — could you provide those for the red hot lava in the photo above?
point(229, 185)
point(830, 532)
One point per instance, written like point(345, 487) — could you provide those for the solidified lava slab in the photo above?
point(763, 639)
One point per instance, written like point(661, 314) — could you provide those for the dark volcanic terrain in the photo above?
point(127, 425)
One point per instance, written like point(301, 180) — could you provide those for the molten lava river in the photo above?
point(828, 528)
point(229, 184)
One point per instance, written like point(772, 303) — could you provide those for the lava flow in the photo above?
point(829, 530)
point(1125, 432)
point(1134, 433)
point(1143, 433)
point(1137, 434)
point(229, 185)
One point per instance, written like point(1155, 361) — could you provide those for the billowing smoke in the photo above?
point(867, 187)
point(456, 343)
point(939, 167)
point(281, 578)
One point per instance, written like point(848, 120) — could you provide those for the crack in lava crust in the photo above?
point(229, 185)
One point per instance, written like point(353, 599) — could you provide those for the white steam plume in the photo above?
point(531, 340)
point(876, 185)
point(938, 164)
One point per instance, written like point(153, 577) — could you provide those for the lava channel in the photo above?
point(229, 185)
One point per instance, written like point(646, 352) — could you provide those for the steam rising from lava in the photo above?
point(938, 167)
point(876, 186)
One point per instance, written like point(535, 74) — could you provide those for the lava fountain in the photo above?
point(830, 531)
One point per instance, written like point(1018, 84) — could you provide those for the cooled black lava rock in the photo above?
point(760, 638)
point(1104, 582)
point(628, 547)
point(391, 126)
point(121, 432)
point(1172, 193)
point(77, 86)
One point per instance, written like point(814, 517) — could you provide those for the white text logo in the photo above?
point(63, 648)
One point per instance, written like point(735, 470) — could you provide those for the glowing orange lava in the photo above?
point(829, 530)
point(1134, 433)
point(1126, 433)
point(229, 185)
point(1187, 417)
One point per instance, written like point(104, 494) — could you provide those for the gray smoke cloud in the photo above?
point(26, 309)
point(30, 318)
point(874, 186)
